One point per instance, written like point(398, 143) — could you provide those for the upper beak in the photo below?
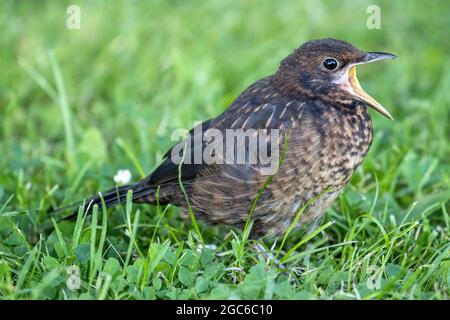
point(356, 87)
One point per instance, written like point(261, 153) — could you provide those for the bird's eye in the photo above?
point(330, 64)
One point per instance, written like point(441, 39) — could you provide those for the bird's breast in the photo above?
point(322, 154)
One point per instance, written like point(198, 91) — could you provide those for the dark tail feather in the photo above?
point(111, 198)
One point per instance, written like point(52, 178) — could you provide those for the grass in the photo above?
point(78, 105)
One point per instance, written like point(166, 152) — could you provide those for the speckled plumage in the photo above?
point(329, 132)
point(325, 145)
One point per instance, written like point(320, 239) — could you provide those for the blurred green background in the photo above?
point(77, 105)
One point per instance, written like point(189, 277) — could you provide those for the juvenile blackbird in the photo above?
point(315, 99)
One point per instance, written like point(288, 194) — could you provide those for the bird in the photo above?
point(324, 130)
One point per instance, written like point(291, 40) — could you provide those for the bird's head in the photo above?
point(327, 68)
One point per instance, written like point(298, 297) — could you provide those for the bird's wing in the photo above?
point(258, 107)
point(168, 170)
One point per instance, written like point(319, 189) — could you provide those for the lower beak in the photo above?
point(356, 87)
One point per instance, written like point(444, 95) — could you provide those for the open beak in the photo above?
point(356, 87)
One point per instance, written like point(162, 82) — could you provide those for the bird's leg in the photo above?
point(315, 224)
point(267, 255)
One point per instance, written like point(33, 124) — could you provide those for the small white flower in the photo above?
point(234, 269)
point(122, 176)
point(209, 246)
